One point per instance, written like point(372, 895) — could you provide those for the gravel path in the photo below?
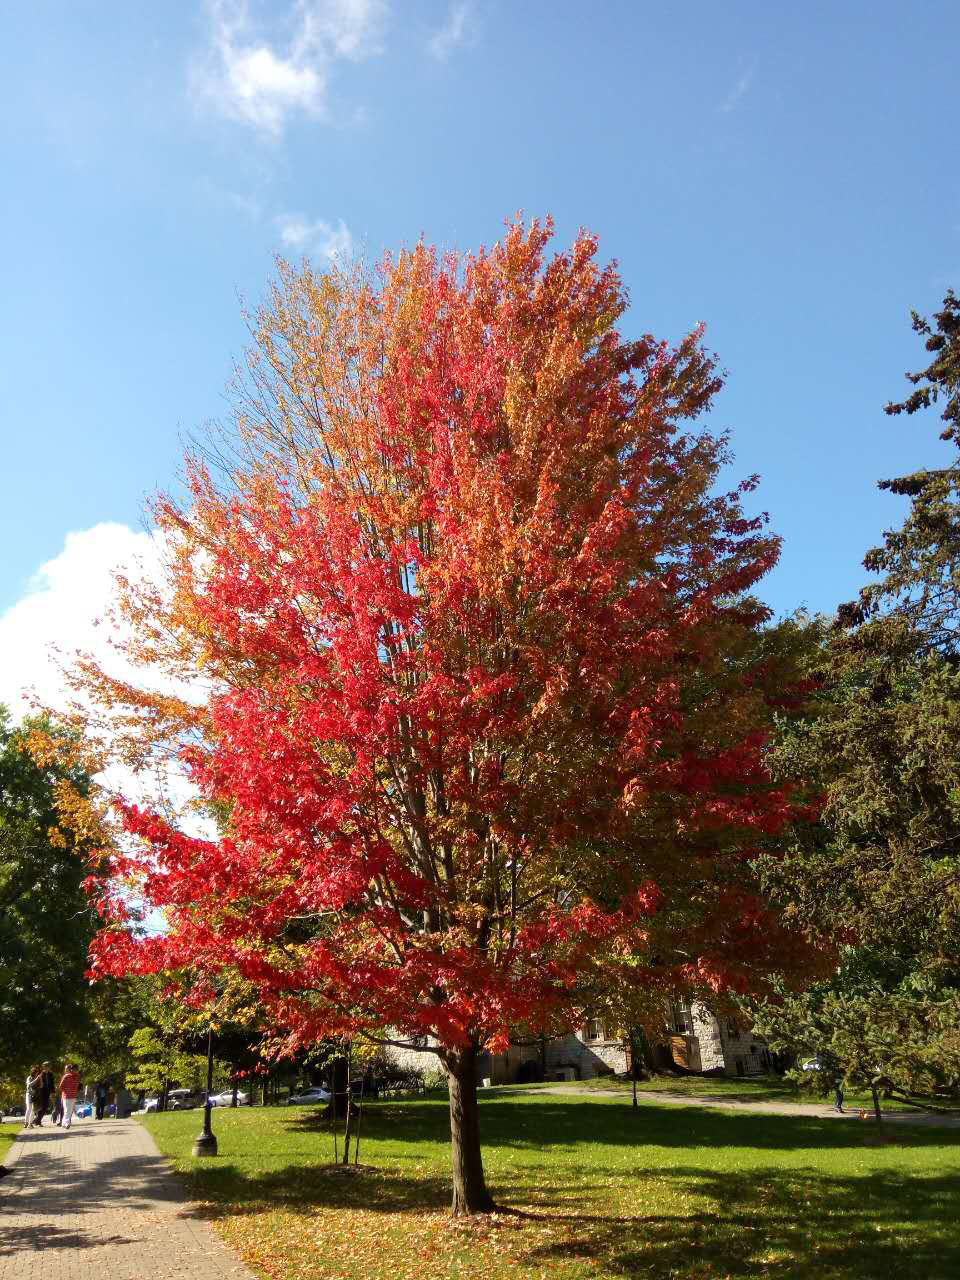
point(99, 1202)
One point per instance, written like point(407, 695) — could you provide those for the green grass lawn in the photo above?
point(7, 1134)
point(742, 1089)
point(596, 1189)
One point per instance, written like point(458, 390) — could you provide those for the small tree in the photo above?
point(872, 1027)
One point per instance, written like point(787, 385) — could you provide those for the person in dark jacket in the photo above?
point(56, 1115)
point(46, 1091)
point(101, 1098)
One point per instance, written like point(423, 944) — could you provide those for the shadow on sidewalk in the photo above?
point(16, 1240)
point(45, 1182)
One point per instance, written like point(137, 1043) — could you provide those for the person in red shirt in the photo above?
point(69, 1087)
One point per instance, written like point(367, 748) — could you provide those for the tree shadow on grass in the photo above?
point(544, 1123)
point(779, 1224)
point(303, 1188)
point(668, 1215)
point(784, 1224)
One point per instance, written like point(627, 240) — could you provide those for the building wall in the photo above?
point(709, 1045)
point(744, 1052)
point(411, 1059)
point(709, 1040)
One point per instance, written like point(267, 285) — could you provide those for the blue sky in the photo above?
point(785, 173)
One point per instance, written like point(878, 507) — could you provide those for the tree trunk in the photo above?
point(470, 1194)
point(340, 1086)
point(876, 1103)
point(348, 1129)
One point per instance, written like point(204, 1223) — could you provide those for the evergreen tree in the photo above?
point(880, 873)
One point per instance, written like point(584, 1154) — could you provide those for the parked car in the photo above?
point(225, 1099)
point(313, 1097)
point(151, 1104)
point(84, 1111)
point(183, 1100)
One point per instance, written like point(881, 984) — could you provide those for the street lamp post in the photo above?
point(206, 1143)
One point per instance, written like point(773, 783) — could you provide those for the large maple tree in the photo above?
point(490, 693)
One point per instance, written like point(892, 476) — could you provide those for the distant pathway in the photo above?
point(100, 1203)
point(809, 1110)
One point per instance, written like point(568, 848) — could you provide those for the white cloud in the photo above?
point(350, 28)
point(62, 606)
point(261, 82)
point(738, 90)
point(63, 614)
point(318, 239)
point(456, 30)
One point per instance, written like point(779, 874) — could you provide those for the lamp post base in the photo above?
point(205, 1145)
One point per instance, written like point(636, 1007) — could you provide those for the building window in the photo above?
point(682, 1020)
point(593, 1030)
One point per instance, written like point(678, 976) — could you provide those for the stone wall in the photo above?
point(744, 1052)
point(712, 1045)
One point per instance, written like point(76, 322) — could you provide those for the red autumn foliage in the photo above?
point(490, 691)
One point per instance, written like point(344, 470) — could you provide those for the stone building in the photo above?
point(694, 1040)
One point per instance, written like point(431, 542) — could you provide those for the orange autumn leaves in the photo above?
point(488, 692)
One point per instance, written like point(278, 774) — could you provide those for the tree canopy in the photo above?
point(46, 919)
point(491, 693)
point(881, 741)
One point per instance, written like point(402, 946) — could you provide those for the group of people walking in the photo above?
point(41, 1091)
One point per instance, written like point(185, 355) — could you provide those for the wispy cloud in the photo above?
point(223, 198)
point(739, 89)
point(249, 77)
point(456, 30)
point(318, 239)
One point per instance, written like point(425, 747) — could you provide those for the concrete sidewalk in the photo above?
point(100, 1203)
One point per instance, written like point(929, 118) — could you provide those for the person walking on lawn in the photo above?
point(838, 1094)
point(69, 1088)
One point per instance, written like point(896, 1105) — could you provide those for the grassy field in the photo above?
point(7, 1134)
point(591, 1189)
point(742, 1089)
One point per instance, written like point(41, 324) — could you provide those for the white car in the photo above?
point(177, 1100)
point(184, 1099)
point(315, 1097)
point(225, 1099)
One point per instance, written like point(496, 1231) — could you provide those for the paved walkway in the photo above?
point(805, 1109)
point(100, 1203)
